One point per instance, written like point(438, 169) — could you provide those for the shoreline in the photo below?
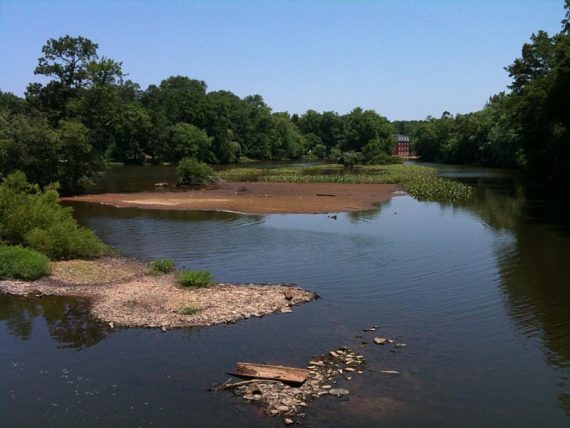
point(255, 198)
point(123, 293)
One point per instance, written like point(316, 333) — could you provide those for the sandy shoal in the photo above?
point(256, 198)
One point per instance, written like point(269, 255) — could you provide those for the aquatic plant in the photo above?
point(22, 263)
point(419, 181)
point(194, 278)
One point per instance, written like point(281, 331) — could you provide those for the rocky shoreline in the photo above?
point(124, 293)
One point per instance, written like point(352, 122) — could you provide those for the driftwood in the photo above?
point(266, 371)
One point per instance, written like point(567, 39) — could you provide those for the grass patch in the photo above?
point(195, 278)
point(159, 266)
point(91, 272)
point(189, 310)
point(22, 263)
point(419, 181)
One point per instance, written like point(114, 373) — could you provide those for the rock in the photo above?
point(380, 340)
point(163, 328)
point(111, 325)
point(390, 372)
point(339, 391)
point(286, 310)
point(282, 409)
point(288, 294)
point(333, 354)
point(288, 421)
point(161, 185)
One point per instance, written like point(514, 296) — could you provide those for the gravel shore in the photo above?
point(124, 293)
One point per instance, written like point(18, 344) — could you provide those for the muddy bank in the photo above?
point(256, 198)
point(123, 293)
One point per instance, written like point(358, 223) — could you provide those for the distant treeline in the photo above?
point(527, 128)
point(89, 113)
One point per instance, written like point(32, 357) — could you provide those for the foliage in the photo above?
point(419, 181)
point(64, 130)
point(188, 141)
point(189, 310)
point(194, 173)
point(34, 218)
point(162, 266)
point(527, 128)
point(22, 263)
point(194, 278)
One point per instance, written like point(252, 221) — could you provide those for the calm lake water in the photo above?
point(480, 292)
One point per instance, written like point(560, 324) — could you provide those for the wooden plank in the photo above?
point(267, 371)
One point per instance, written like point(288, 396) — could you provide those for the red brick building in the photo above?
point(402, 147)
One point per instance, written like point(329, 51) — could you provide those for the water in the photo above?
point(479, 292)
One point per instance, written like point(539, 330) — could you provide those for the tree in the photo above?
point(188, 141)
point(67, 60)
point(363, 126)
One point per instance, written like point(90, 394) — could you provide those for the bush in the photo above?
point(189, 310)
point(194, 278)
point(162, 266)
point(22, 263)
point(34, 218)
point(194, 173)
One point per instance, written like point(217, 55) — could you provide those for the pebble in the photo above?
point(339, 391)
point(380, 340)
point(391, 372)
point(288, 421)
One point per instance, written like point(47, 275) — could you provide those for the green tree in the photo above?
point(185, 140)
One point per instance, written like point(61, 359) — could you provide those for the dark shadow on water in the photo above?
point(67, 320)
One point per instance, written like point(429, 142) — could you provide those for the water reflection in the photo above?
point(535, 267)
point(478, 290)
point(67, 320)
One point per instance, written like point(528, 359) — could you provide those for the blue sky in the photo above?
point(404, 58)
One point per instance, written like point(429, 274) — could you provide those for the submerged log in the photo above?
point(266, 371)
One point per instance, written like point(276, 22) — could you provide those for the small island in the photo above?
point(128, 293)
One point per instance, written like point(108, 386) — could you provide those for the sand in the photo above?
point(256, 198)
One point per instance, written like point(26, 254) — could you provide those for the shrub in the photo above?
point(194, 173)
point(22, 263)
point(162, 266)
point(194, 278)
point(34, 218)
point(189, 310)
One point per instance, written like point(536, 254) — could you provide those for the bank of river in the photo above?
point(477, 291)
point(125, 293)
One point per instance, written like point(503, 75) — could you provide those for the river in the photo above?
point(479, 292)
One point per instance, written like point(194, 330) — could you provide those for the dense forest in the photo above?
point(87, 113)
point(527, 128)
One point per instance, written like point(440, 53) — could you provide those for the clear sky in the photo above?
point(404, 58)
